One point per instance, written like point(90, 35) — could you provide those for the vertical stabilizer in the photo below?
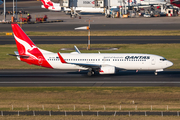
point(27, 50)
point(23, 42)
point(48, 4)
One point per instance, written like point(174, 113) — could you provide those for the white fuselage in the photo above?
point(126, 61)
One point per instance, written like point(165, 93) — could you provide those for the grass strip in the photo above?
point(112, 98)
point(106, 33)
point(169, 51)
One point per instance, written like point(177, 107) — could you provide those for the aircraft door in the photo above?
point(153, 61)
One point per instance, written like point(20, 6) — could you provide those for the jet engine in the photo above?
point(107, 70)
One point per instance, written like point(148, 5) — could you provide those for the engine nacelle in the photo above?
point(107, 70)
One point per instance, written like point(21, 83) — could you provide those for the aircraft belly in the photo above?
point(132, 65)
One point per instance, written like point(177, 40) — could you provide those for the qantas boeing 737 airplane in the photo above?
point(105, 63)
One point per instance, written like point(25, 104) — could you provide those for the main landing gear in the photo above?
point(155, 73)
point(91, 72)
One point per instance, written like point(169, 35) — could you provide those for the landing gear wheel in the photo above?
point(108, 16)
point(90, 73)
point(156, 73)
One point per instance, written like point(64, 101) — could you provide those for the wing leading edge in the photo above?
point(79, 64)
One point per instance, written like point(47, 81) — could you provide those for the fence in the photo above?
point(71, 107)
point(82, 113)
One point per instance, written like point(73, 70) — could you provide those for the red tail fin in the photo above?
point(47, 3)
point(24, 44)
point(26, 47)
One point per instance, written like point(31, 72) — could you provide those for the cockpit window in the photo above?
point(162, 59)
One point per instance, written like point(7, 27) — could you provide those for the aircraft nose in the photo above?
point(169, 63)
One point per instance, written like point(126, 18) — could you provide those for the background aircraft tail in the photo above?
point(48, 4)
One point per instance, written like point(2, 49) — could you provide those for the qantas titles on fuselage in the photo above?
point(105, 63)
point(127, 58)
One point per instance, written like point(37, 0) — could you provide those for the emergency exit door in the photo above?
point(153, 61)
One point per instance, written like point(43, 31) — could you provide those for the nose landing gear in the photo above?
point(91, 72)
point(155, 73)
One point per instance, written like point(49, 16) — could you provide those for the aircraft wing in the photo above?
point(93, 66)
point(87, 65)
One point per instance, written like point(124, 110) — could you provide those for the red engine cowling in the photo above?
point(107, 70)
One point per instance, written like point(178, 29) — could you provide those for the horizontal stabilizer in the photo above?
point(86, 65)
point(21, 56)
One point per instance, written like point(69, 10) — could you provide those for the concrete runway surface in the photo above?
point(95, 39)
point(73, 78)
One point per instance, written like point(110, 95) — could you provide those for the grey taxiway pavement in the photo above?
point(75, 78)
point(95, 39)
point(44, 27)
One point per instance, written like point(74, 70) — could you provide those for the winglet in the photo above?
point(77, 50)
point(61, 58)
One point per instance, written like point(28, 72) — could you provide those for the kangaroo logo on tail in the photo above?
point(47, 3)
point(27, 48)
point(24, 44)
